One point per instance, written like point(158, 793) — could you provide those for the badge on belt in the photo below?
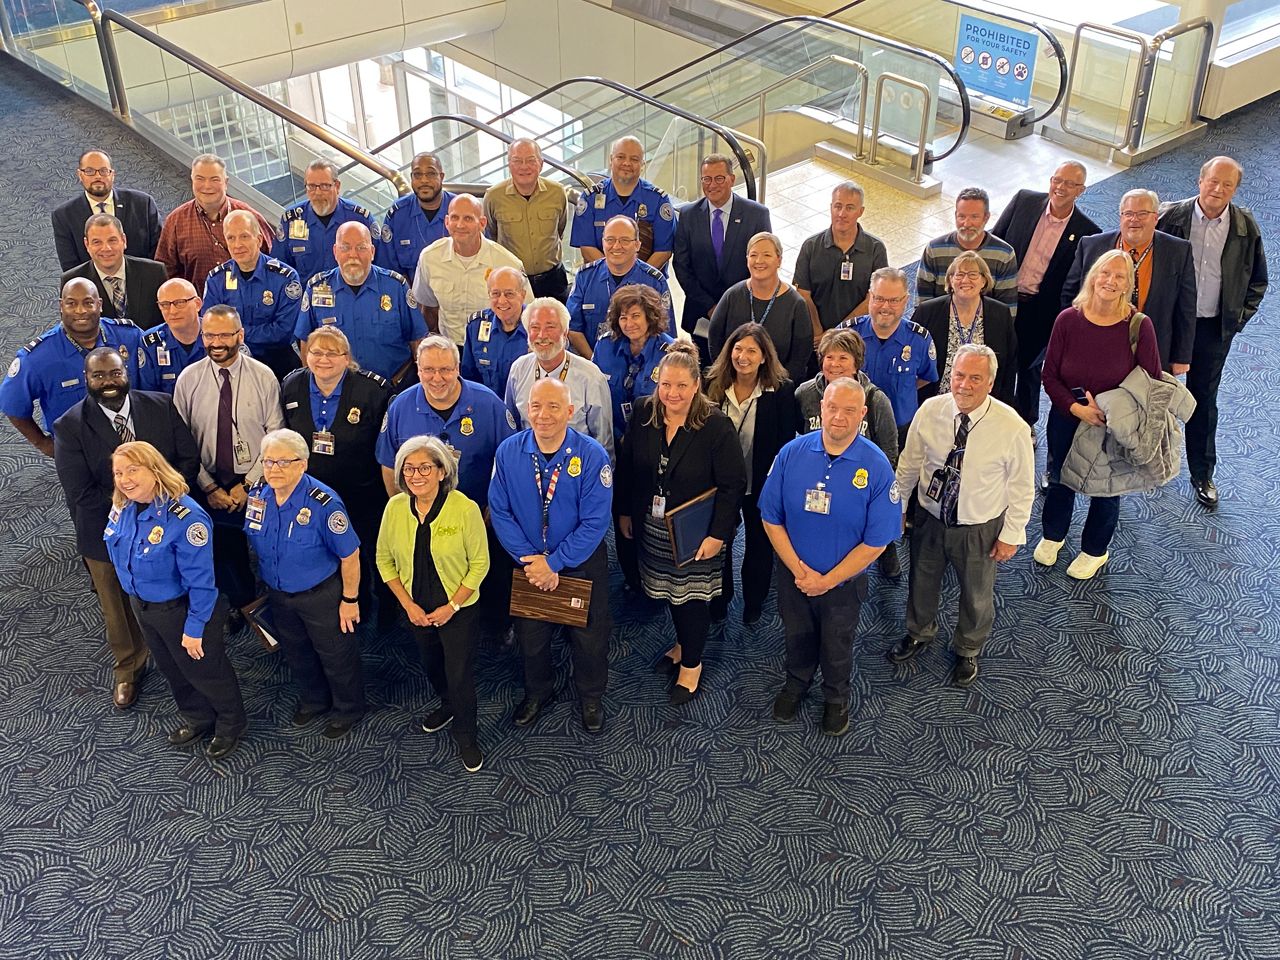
point(268, 298)
point(385, 303)
point(255, 509)
point(321, 442)
point(156, 535)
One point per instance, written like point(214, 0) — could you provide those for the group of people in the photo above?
point(411, 416)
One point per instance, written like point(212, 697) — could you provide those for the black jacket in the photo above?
point(997, 333)
point(83, 441)
point(136, 211)
point(142, 281)
point(775, 427)
point(697, 461)
point(702, 279)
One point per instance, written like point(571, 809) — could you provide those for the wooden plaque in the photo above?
point(569, 603)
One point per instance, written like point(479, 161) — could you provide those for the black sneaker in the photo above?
point(471, 759)
point(437, 719)
point(835, 719)
point(785, 705)
point(965, 672)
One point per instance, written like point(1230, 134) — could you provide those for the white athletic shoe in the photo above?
point(1047, 552)
point(1085, 565)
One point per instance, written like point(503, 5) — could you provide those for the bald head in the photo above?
point(180, 304)
point(465, 223)
point(626, 160)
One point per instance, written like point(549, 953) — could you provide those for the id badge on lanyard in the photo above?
point(322, 442)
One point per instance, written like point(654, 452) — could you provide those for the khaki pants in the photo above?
point(123, 636)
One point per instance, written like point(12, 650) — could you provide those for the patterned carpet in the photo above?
point(1107, 790)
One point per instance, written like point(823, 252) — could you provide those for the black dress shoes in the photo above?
point(304, 715)
point(1206, 493)
point(965, 671)
point(907, 648)
point(592, 716)
point(785, 705)
point(835, 719)
point(235, 622)
point(664, 666)
point(337, 729)
point(528, 711)
point(185, 734)
point(124, 695)
point(220, 747)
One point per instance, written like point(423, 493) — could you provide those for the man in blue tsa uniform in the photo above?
point(416, 220)
point(469, 417)
point(901, 357)
point(597, 282)
point(309, 230)
point(49, 370)
point(830, 506)
point(173, 346)
point(550, 502)
point(372, 306)
point(495, 337)
point(265, 292)
point(624, 193)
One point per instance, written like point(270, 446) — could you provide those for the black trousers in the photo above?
point(231, 569)
point(590, 644)
point(206, 690)
point(692, 620)
point(448, 656)
point(496, 586)
point(551, 283)
point(365, 523)
point(1034, 324)
point(1208, 356)
point(757, 561)
point(819, 633)
point(325, 661)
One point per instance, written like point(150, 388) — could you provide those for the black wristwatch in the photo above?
point(350, 599)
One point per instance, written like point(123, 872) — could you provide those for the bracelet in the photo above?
point(456, 607)
point(350, 599)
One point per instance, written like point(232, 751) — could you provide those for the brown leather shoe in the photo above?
point(125, 695)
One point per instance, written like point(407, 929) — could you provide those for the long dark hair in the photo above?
point(684, 355)
point(721, 375)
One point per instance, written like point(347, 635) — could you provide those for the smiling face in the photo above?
point(971, 222)
point(717, 182)
point(326, 360)
point(1110, 283)
point(353, 249)
point(1065, 186)
point(625, 163)
point(837, 364)
point(546, 334)
point(421, 474)
point(323, 190)
point(222, 337)
point(133, 480)
point(634, 323)
point(106, 246)
point(209, 185)
point(1217, 186)
point(676, 389)
point(621, 245)
point(1137, 221)
point(525, 163)
point(887, 303)
point(971, 382)
point(426, 176)
point(465, 223)
point(549, 410)
point(763, 261)
point(438, 374)
point(81, 309)
point(747, 358)
point(506, 295)
point(106, 379)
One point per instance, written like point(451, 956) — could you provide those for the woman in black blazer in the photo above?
point(965, 315)
point(750, 386)
point(338, 409)
point(677, 446)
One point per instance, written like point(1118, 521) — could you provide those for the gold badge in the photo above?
point(467, 428)
point(124, 353)
point(304, 515)
point(268, 298)
point(860, 479)
point(654, 375)
point(575, 466)
point(386, 303)
point(156, 535)
point(906, 352)
point(642, 212)
point(354, 415)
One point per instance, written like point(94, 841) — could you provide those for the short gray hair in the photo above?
point(435, 449)
point(976, 350)
point(764, 235)
point(551, 303)
point(850, 186)
point(254, 226)
point(1150, 196)
point(891, 273)
point(209, 158)
point(438, 342)
point(286, 438)
point(328, 166)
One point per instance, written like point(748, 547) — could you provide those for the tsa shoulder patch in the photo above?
point(511, 420)
point(198, 534)
point(338, 522)
point(293, 290)
point(17, 365)
point(606, 476)
point(895, 496)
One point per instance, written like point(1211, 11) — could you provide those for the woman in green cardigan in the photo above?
point(432, 554)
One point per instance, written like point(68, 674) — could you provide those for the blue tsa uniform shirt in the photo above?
point(164, 357)
point(305, 242)
point(299, 543)
point(595, 285)
point(559, 506)
point(489, 351)
point(49, 370)
point(267, 300)
point(381, 319)
point(648, 206)
point(479, 422)
point(406, 232)
point(829, 506)
point(630, 376)
point(161, 552)
point(895, 364)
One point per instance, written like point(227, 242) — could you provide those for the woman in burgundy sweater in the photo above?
point(1089, 354)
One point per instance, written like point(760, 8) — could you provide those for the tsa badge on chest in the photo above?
point(385, 303)
point(353, 416)
point(860, 479)
point(575, 466)
point(906, 352)
point(467, 427)
point(156, 535)
point(304, 516)
point(268, 298)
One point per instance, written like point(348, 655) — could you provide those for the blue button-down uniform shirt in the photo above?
point(161, 551)
point(479, 422)
point(305, 242)
point(895, 365)
point(649, 206)
point(489, 351)
point(381, 320)
point(300, 543)
point(324, 409)
point(580, 512)
point(164, 356)
point(406, 232)
point(267, 299)
point(630, 376)
point(864, 507)
point(50, 370)
point(595, 285)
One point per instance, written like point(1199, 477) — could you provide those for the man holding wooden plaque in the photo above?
point(550, 502)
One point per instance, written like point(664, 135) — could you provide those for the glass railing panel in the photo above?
point(1175, 86)
point(1105, 69)
point(59, 41)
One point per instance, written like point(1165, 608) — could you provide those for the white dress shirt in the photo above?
point(459, 286)
point(588, 388)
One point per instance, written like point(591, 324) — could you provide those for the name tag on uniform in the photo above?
point(486, 328)
point(233, 282)
point(626, 412)
point(846, 270)
point(243, 455)
point(255, 510)
point(71, 383)
point(658, 509)
point(817, 501)
point(162, 357)
point(291, 405)
point(298, 230)
point(322, 442)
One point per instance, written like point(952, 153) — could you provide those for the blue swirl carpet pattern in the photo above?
point(1107, 790)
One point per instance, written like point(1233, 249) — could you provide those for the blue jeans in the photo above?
point(1059, 501)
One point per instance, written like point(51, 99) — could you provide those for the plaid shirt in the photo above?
point(191, 244)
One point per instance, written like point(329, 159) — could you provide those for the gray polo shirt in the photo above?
point(820, 266)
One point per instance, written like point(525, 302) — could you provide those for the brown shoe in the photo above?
point(125, 695)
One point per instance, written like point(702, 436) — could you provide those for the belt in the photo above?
point(558, 268)
point(303, 593)
point(1215, 318)
point(159, 604)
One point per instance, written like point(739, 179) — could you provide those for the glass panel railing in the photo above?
point(58, 39)
point(1178, 68)
point(1100, 106)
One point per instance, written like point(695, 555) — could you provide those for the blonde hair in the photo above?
point(139, 453)
point(684, 355)
point(969, 258)
point(336, 340)
point(1086, 288)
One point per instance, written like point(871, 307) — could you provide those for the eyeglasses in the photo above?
point(218, 337)
point(1069, 184)
point(271, 464)
point(966, 275)
point(718, 179)
point(96, 171)
point(524, 161)
point(1136, 214)
point(418, 469)
point(436, 371)
point(358, 248)
point(322, 187)
point(170, 304)
point(876, 298)
point(620, 241)
point(325, 354)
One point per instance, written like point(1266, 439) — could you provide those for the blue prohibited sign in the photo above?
point(996, 60)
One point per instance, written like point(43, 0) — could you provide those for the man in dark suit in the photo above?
point(126, 285)
point(1165, 283)
point(1044, 230)
point(83, 440)
point(133, 208)
point(1231, 279)
point(711, 245)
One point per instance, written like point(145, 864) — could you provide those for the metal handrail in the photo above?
point(583, 180)
point(1139, 95)
point(810, 21)
point(1202, 73)
point(917, 164)
point(120, 102)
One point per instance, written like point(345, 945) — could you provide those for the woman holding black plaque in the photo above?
point(677, 447)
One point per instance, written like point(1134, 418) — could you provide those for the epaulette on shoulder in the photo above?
point(362, 211)
point(399, 276)
point(319, 496)
point(219, 268)
point(916, 328)
point(317, 276)
point(477, 316)
point(179, 510)
point(293, 213)
point(152, 338)
point(277, 266)
point(650, 269)
point(118, 321)
point(379, 380)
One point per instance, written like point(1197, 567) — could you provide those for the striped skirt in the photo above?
point(663, 580)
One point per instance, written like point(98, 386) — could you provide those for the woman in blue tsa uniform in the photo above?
point(158, 540)
point(309, 558)
point(678, 446)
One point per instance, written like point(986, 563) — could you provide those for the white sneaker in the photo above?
point(1085, 565)
point(1047, 552)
